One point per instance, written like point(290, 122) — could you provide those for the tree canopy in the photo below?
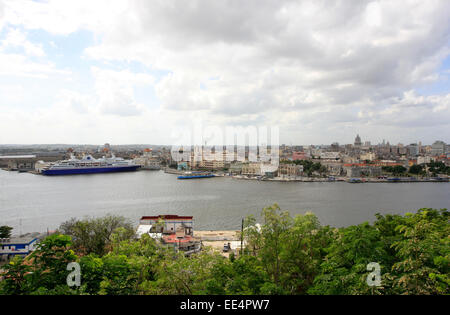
point(283, 255)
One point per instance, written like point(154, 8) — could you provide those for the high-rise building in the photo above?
point(413, 150)
point(438, 148)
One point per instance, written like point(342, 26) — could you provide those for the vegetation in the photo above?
point(438, 168)
point(283, 255)
point(394, 170)
point(309, 167)
point(417, 170)
point(93, 235)
point(5, 231)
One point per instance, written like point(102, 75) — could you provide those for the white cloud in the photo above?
point(115, 91)
point(64, 16)
point(17, 65)
point(16, 38)
point(302, 64)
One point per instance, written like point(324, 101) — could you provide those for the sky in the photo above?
point(138, 71)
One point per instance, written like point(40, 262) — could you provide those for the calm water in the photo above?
point(37, 202)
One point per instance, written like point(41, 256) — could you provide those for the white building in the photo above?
point(330, 156)
point(423, 160)
point(369, 156)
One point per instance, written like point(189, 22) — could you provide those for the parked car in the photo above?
point(226, 248)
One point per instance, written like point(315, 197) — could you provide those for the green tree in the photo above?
point(343, 270)
point(93, 235)
point(17, 278)
point(416, 169)
point(274, 231)
point(42, 272)
point(5, 231)
point(424, 253)
point(50, 261)
point(302, 253)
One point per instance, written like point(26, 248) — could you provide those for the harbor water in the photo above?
point(34, 203)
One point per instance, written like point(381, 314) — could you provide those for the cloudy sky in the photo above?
point(96, 71)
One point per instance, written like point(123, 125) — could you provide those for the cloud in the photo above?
point(16, 38)
point(323, 69)
point(63, 17)
point(2, 12)
point(17, 65)
point(20, 57)
point(115, 91)
point(309, 48)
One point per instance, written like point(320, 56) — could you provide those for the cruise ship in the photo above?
point(89, 165)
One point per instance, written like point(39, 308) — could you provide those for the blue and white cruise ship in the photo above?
point(90, 165)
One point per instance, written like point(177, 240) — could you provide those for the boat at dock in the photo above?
point(196, 175)
point(89, 165)
point(355, 180)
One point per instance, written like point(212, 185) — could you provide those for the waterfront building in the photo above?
point(236, 168)
point(18, 162)
point(147, 161)
point(355, 170)
point(373, 171)
point(290, 170)
point(269, 170)
point(251, 169)
point(334, 168)
point(352, 171)
point(212, 165)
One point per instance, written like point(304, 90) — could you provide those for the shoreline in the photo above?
point(341, 180)
point(299, 179)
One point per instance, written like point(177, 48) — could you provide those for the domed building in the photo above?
point(358, 142)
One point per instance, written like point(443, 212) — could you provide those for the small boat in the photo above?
point(196, 175)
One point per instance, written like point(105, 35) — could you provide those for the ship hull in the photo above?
point(195, 176)
point(91, 170)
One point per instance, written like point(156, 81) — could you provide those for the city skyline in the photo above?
point(135, 71)
point(364, 142)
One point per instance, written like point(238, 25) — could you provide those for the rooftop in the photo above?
point(9, 157)
point(167, 217)
point(17, 240)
